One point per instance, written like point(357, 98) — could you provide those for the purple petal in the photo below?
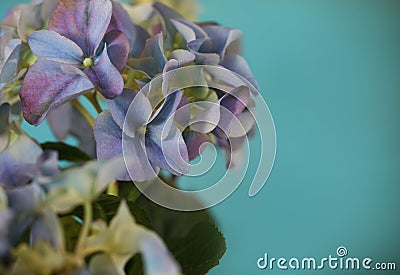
point(193, 142)
point(18, 163)
point(160, 123)
point(117, 48)
point(170, 154)
point(221, 38)
point(67, 120)
point(137, 159)
point(238, 64)
point(108, 137)
point(47, 164)
point(189, 30)
point(236, 100)
point(48, 85)
point(82, 21)
point(154, 48)
point(119, 106)
point(46, 228)
point(121, 21)
point(52, 46)
point(60, 121)
point(25, 198)
point(197, 47)
point(105, 77)
point(166, 14)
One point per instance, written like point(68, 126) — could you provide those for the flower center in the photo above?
point(142, 130)
point(88, 63)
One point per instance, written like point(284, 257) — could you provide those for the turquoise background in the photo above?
point(330, 72)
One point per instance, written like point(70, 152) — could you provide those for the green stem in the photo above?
point(87, 220)
point(92, 97)
point(113, 189)
point(83, 112)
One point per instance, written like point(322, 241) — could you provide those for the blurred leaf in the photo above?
point(192, 237)
point(66, 152)
point(72, 229)
point(106, 206)
point(200, 250)
point(135, 266)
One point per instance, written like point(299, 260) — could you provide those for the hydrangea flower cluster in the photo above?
point(59, 57)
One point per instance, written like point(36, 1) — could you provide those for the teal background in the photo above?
point(330, 73)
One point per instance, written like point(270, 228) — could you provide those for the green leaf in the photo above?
point(66, 152)
point(106, 206)
point(200, 250)
point(192, 237)
point(72, 228)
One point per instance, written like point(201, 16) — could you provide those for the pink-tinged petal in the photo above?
point(236, 100)
point(52, 46)
point(170, 154)
point(121, 21)
point(160, 123)
point(83, 21)
point(193, 142)
point(105, 77)
point(48, 85)
point(238, 64)
point(117, 48)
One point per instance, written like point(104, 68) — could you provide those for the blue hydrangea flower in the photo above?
point(152, 141)
point(75, 54)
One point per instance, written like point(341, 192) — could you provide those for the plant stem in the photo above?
point(92, 97)
point(87, 220)
point(113, 189)
point(83, 112)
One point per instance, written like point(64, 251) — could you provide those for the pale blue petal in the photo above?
point(52, 46)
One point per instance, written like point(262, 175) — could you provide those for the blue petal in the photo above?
point(137, 159)
point(170, 154)
point(52, 46)
point(221, 38)
point(238, 64)
point(160, 123)
point(18, 162)
point(108, 137)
